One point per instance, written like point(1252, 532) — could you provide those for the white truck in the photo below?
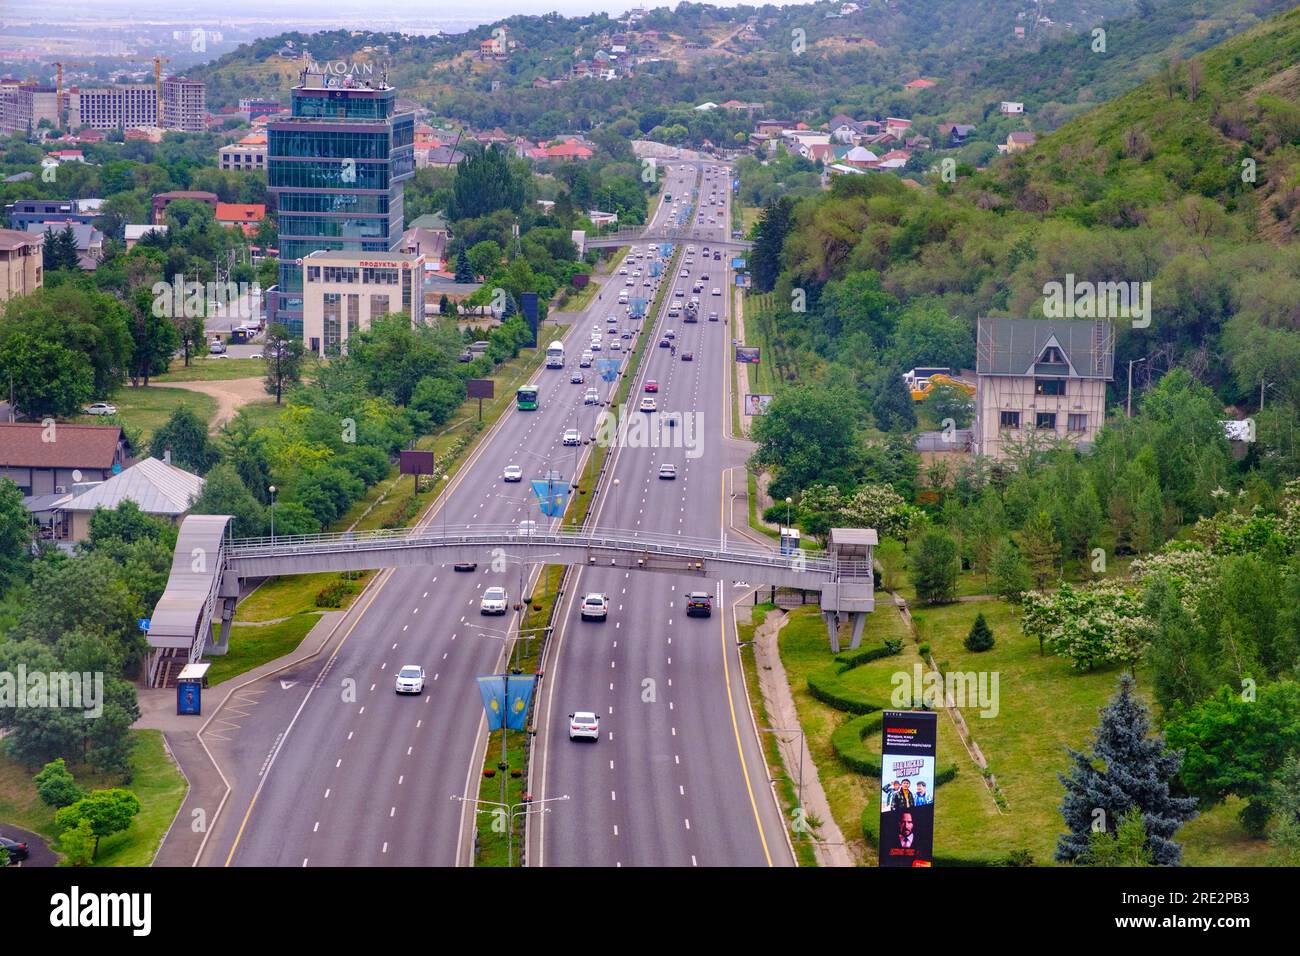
point(555, 355)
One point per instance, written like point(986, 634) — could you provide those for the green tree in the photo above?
point(1127, 846)
point(185, 435)
point(894, 409)
point(1043, 552)
point(484, 183)
point(1010, 573)
point(934, 567)
point(47, 378)
point(808, 436)
point(1127, 768)
point(107, 811)
point(225, 494)
point(15, 532)
point(1235, 745)
point(980, 636)
point(56, 786)
point(283, 360)
point(484, 257)
point(769, 237)
point(78, 843)
point(464, 271)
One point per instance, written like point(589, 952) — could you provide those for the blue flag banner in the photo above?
point(638, 308)
point(551, 495)
point(608, 368)
point(520, 693)
point(493, 690)
point(666, 249)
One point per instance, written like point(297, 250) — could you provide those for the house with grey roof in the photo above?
point(1040, 380)
point(157, 487)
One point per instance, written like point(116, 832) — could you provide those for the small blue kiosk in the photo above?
point(189, 688)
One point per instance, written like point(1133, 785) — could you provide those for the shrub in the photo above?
point(980, 637)
point(55, 786)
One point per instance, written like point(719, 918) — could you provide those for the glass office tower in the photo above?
point(336, 166)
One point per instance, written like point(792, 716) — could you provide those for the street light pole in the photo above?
point(782, 730)
point(1128, 409)
point(272, 491)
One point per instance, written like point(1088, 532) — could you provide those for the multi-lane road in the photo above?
point(326, 765)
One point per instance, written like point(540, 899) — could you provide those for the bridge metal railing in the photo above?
point(487, 536)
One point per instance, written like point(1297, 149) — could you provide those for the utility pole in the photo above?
point(1128, 405)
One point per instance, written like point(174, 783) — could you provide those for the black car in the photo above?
point(17, 851)
point(465, 566)
point(699, 604)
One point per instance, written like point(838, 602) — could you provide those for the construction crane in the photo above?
point(158, 61)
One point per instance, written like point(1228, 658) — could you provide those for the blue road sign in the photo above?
point(143, 624)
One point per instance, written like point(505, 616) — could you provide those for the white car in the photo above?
point(717, 291)
point(648, 405)
point(592, 397)
point(585, 361)
point(528, 528)
point(668, 472)
point(594, 345)
point(572, 437)
point(615, 346)
point(100, 408)
point(410, 679)
point(493, 601)
point(584, 725)
point(595, 607)
point(512, 473)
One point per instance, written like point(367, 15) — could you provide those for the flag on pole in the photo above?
point(493, 691)
point(552, 495)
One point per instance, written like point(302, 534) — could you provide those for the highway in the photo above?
point(326, 764)
point(677, 777)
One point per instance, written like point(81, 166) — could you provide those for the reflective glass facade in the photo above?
point(336, 166)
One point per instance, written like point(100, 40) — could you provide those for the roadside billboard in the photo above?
point(908, 743)
point(757, 404)
point(747, 354)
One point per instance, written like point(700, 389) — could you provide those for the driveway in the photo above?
point(40, 853)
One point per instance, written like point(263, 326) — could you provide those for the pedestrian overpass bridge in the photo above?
point(208, 567)
point(628, 237)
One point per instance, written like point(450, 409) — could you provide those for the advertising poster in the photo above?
point(747, 353)
point(908, 740)
point(757, 404)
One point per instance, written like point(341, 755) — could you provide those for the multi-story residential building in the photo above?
point(185, 105)
point(123, 106)
point(256, 106)
point(336, 166)
point(344, 291)
point(21, 263)
point(24, 105)
point(248, 153)
point(23, 212)
point(1040, 379)
point(135, 106)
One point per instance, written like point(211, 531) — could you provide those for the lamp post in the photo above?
point(445, 477)
point(511, 811)
point(782, 730)
point(272, 491)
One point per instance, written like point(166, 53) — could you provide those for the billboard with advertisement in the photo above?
point(908, 742)
point(747, 354)
point(757, 404)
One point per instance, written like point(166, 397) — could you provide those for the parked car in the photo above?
point(100, 408)
point(17, 851)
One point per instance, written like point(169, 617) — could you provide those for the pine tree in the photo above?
point(1126, 768)
point(980, 637)
point(1010, 576)
point(463, 271)
point(1042, 550)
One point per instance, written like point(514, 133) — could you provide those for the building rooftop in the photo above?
point(11, 239)
point(1014, 346)
point(25, 445)
point(355, 255)
point(157, 487)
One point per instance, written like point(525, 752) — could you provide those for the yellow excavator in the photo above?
point(920, 382)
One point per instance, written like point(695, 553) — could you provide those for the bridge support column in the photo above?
point(833, 629)
point(859, 621)
point(222, 644)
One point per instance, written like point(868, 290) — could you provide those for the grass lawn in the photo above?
point(144, 410)
point(252, 645)
point(261, 414)
point(787, 788)
point(155, 780)
point(204, 368)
